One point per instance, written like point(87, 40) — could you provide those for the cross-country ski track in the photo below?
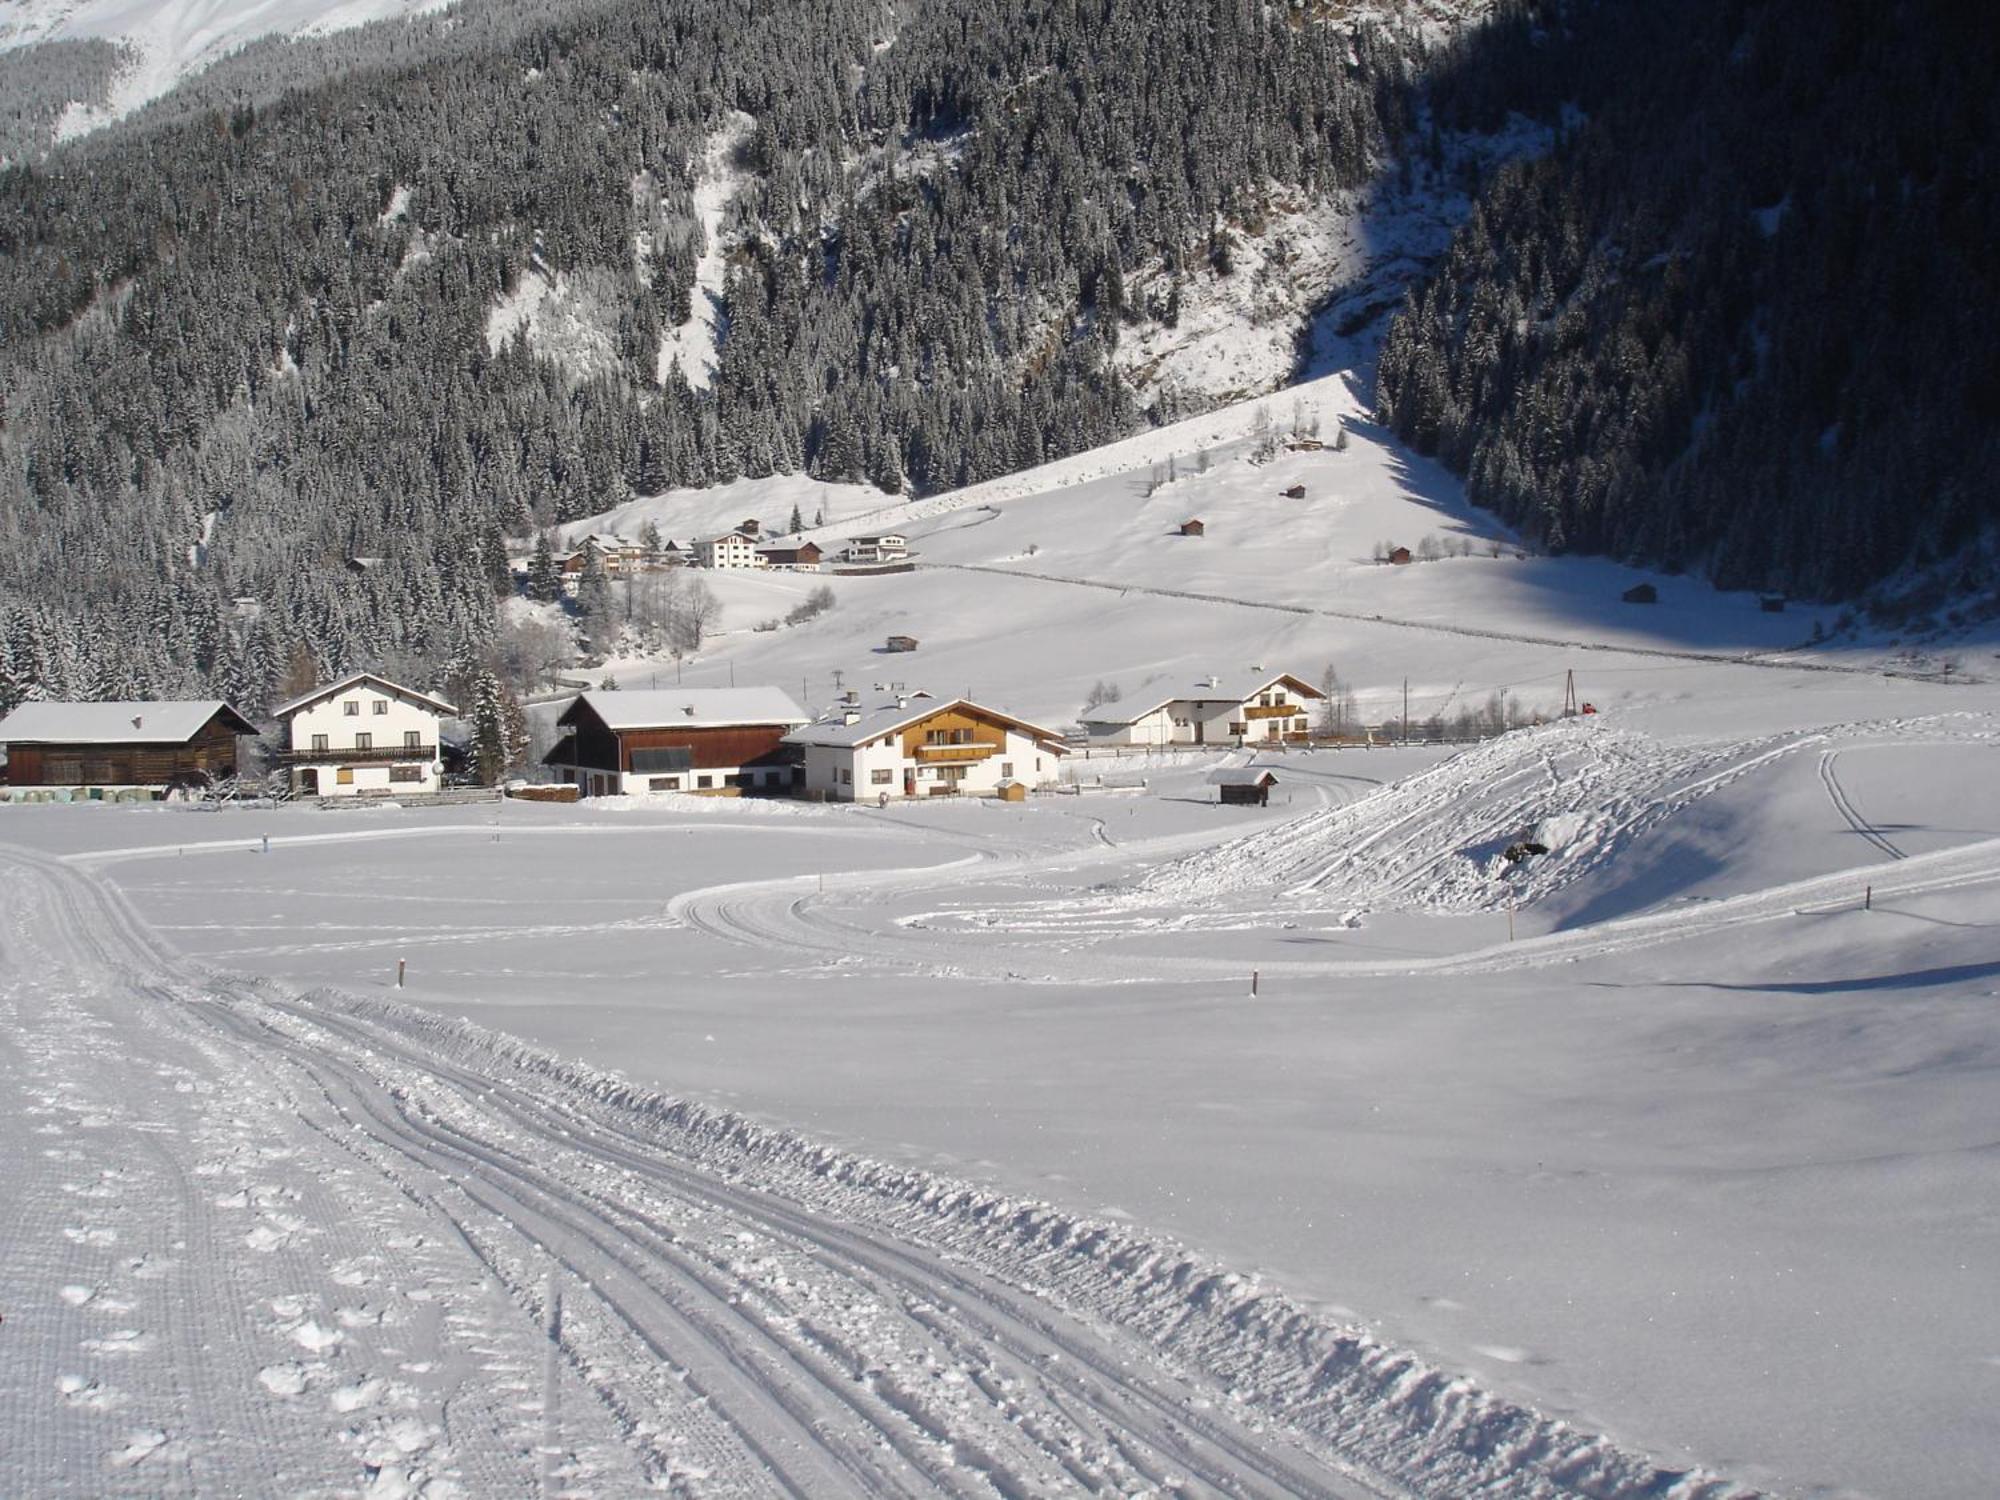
point(312, 1242)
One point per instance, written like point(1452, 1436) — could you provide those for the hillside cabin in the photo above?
point(1296, 492)
point(721, 741)
point(915, 746)
point(1399, 555)
point(889, 547)
point(1255, 707)
point(731, 550)
point(1642, 593)
point(363, 736)
point(1244, 786)
point(804, 558)
point(1771, 604)
point(155, 747)
point(901, 643)
point(1193, 528)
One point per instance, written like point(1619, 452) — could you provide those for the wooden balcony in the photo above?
point(977, 750)
point(375, 755)
point(1274, 710)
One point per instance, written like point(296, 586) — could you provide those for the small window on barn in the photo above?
point(352, 708)
point(704, 782)
point(664, 784)
point(882, 777)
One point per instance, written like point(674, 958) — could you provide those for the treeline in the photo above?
point(1746, 317)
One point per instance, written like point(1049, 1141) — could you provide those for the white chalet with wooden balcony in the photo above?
point(363, 736)
point(917, 746)
point(1249, 708)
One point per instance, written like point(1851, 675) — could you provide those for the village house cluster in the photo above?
point(743, 548)
point(364, 736)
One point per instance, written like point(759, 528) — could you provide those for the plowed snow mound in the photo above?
point(1586, 790)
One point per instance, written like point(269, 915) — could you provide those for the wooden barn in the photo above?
point(723, 741)
point(159, 745)
point(1642, 593)
point(1194, 528)
point(1399, 555)
point(901, 643)
point(1296, 492)
point(1246, 786)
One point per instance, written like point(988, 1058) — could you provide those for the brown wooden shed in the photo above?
point(1193, 528)
point(122, 744)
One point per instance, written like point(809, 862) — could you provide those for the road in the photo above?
point(270, 1242)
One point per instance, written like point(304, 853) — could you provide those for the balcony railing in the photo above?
point(349, 756)
point(973, 750)
point(1274, 711)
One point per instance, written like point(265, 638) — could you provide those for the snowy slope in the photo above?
point(173, 39)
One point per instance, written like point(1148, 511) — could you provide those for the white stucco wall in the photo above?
point(396, 718)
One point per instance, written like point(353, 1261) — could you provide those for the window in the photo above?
point(319, 744)
point(704, 782)
point(664, 784)
point(846, 776)
point(1237, 728)
point(1006, 770)
point(381, 705)
point(364, 741)
point(406, 773)
point(352, 708)
point(882, 778)
point(413, 739)
point(344, 776)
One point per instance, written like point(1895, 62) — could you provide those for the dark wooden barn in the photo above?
point(137, 744)
point(1246, 786)
point(718, 740)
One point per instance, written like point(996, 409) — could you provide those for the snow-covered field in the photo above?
point(1661, 1163)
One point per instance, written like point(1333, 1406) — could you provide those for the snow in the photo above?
point(958, 1128)
point(717, 181)
point(173, 39)
point(569, 319)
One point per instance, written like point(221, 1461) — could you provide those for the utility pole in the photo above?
point(1406, 710)
point(1569, 695)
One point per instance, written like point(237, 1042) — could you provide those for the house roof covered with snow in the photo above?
point(121, 723)
point(899, 713)
point(1224, 687)
point(340, 685)
point(688, 708)
point(1244, 776)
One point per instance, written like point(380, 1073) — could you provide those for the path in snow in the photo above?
point(272, 1241)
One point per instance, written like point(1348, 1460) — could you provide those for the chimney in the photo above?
point(902, 702)
point(853, 695)
point(852, 716)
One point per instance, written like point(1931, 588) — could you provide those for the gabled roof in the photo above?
point(689, 708)
point(892, 716)
point(121, 723)
point(332, 689)
point(1229, 687)
point(1244, 776)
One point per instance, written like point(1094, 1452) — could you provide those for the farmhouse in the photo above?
point(804, 558)
point(724, 741)
point(916, 746)
point(1399, 555)
point(151, 745)
point(363, 736)
point(1247, 708)
point(730, 550)
point(889, 547)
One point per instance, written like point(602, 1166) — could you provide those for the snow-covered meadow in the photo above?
point(1673, 1141)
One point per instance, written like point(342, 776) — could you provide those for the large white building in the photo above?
point(730, 550)
point(363, 736)
point(889, 547)
point(918, 746)
point(1247, 708)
